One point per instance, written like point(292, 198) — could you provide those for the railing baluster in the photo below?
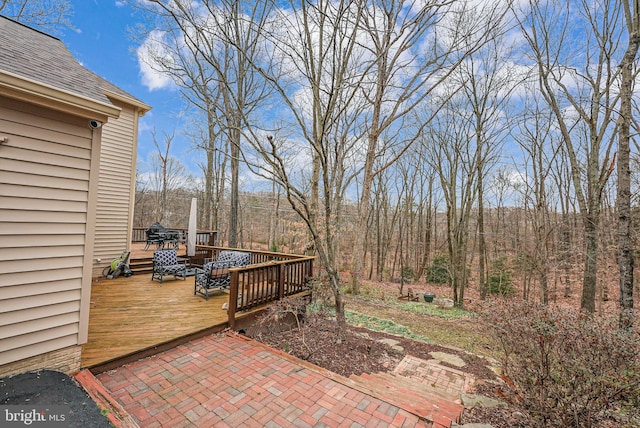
point(270, 277)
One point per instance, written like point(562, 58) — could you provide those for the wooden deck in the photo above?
point(130, 314)
point(133, 317)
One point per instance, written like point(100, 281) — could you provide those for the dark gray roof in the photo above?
point(37, 56)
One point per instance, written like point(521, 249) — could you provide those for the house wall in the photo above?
point(114, 216)
point(46, 229)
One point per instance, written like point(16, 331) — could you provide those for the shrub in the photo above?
point(407, 273)
point(563, 368)
point(289, 313)
point(499, 278)
point(439, 272)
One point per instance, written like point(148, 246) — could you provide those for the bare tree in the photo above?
point(404, 73)
point(631, 11)
point(427, 208)
point(165, 49)
point(540, 146)
point(209, 53)
point(382, 222)
point(52, 16)
point(455, 156)
point(143, 209)
point(487, 78)
point(580, 89)
point(315, 74)
point(405, 189)
point(213, 168)
point(168, 176)
point(569, 240)
point(306, 58)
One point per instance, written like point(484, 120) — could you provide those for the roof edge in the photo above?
point(142, 107)
point(20, 87)
point(30, 27)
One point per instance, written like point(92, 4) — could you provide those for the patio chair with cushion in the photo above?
point(214, 276)
point(166, 262)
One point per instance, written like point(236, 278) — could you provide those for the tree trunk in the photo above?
point(234, 113)
point(274, 219)
point(542, 238)
point(337, 295)
point(482, 246)
point(623, 199)
point(588, 300)
point(363, 214)
point(209, 172)
point(234, 196)
point(544, 284)
point(427, 231)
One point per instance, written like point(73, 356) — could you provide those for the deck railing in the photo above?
point(203, 236)
point(270, 277)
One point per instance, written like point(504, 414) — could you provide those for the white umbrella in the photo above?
point(191, 237)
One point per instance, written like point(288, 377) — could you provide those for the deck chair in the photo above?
point(155, 234)
point(214, 276)
point(166, 262)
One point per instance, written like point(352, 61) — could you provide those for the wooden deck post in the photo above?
point(233, 297)
point(212, 238)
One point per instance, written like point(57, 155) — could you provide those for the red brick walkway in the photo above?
point(226, 380)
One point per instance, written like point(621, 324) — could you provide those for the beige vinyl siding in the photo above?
point(44, 196)
point(117, 171)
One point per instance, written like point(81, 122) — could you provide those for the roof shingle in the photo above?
point(37, 56)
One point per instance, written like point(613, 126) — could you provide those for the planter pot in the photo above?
point(428, 297)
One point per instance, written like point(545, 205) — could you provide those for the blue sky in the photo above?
point(101, 42)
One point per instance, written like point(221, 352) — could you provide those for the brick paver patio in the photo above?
point(227, 380)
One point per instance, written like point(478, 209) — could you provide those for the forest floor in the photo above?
point(420, 327)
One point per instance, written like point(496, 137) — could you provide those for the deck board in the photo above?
point(131, 314)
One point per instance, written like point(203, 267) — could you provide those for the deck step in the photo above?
point(141, 265)
point(144, 264)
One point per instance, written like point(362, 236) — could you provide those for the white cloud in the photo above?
point(151, 49)
point(152, 79)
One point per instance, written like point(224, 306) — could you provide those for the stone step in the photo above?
point(450, 381)
point(410, 396)
point(426, 387)
point(392, 382)
point(440, 411)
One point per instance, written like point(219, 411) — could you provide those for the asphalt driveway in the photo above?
point(48, 398)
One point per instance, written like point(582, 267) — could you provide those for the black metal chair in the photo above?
point(155, 236)
point(171, 239)
point(166, 262)
point(214, 276)
point(162, 238)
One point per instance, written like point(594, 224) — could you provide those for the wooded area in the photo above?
point(492, 141)
point(480, 148)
